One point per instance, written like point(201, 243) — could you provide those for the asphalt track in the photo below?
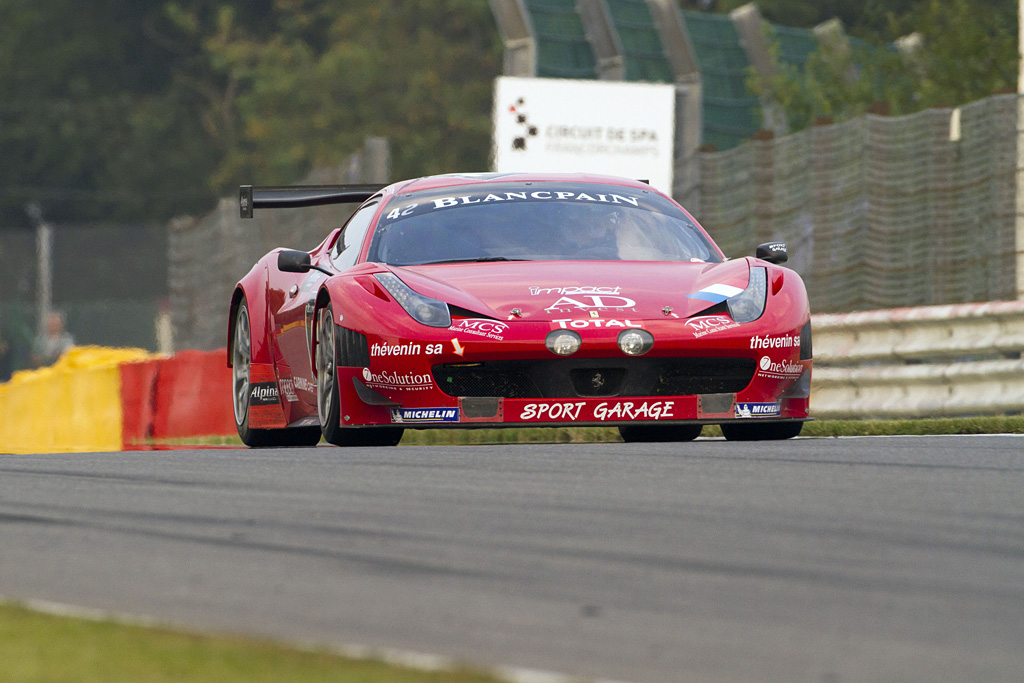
point(821, 560)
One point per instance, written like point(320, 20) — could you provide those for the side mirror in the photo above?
point(772, 252)
point(293, 261)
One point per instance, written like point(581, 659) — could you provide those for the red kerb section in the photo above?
point(138, 384)
point(193, 396)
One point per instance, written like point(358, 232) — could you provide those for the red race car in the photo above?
point(491, 300)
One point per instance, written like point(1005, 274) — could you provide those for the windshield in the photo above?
point(532, 222)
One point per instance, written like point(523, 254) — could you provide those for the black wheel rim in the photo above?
point(325, 365)
point(240, 360)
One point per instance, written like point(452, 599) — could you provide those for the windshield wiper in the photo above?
point(481, 259)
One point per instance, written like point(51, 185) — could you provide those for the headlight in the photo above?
point(748, 305)
point(423, 309)
point(563, 342)
point(635, 342)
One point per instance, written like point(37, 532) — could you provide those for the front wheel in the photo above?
point(328, 396)
point(769, 431)
point(241, 361)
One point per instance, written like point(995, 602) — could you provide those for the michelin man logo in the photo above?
point(529, 131)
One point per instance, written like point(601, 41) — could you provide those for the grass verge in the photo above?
point(41, 648)
point(467, 437)
point(1012, 424)
point(820, 428)
point(1004, 424)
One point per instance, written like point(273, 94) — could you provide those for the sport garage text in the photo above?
point(578, 410)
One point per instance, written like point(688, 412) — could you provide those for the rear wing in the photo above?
point(294, 196)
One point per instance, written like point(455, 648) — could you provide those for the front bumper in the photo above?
point(434, 408)
point(453, 380)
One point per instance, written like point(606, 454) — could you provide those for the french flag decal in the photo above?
point(717, 293)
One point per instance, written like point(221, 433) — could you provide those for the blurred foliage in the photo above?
point(419, 72)
point(968, 51)
point(139, 110)
point(960, 52)
point(131, 110)
point(104, 110)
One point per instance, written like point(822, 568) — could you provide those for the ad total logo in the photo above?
point(593, 301)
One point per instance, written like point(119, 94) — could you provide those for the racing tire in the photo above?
point(770, 431)
point(241, 360)
point(328, 401)
point(659, 433)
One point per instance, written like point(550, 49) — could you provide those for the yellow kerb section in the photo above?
point(71, 406)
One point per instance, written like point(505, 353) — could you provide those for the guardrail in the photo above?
point(930, 361)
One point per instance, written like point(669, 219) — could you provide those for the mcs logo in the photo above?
point(481, 327)
point(709, 324)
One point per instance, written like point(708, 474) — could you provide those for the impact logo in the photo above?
point(528, 130)
point(573, 291)
point(263, 394)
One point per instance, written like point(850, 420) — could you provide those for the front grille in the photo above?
point(571, 378)
point(484, 380)
point(689, 376)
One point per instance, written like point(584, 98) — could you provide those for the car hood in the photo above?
point(552, 290)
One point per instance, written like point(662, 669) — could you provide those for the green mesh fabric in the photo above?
point(562, 47)
point(643, 53)
point(731, 112)
point(795, 44)
point(878, 211)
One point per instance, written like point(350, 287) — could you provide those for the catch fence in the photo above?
point(879, 212)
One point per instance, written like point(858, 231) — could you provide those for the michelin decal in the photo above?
point(424, 415)
point(757, 409)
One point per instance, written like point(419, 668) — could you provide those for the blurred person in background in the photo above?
point(53, 342)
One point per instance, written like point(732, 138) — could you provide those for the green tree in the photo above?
point(961, 55)
point(419, 72)
point(968, 50)
point(144, 109)
point(106, 109)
